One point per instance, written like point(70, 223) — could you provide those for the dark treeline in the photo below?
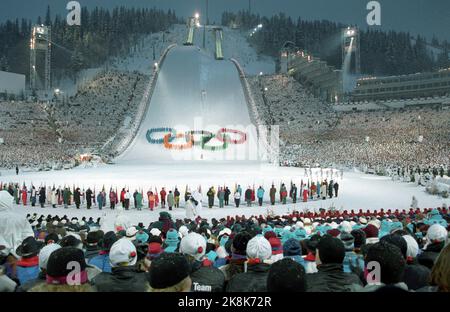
point(102, 34)
point(387, 53)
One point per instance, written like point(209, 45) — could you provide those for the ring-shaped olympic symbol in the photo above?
point(150, 133)
point(187, 145)
point(224, 138)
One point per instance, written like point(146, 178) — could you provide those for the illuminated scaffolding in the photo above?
point(40, 44)
point(351, 49)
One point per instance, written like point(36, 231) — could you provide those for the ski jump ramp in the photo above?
point(198, 111)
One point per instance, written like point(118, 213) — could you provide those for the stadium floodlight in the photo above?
point(350, 32)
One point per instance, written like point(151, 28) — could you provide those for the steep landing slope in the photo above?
point(194, 92)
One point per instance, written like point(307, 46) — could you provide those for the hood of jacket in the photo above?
point(6, 201)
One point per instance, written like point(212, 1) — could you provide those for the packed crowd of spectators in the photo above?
point(314, 252)
point(312, 133)
point(42, 134)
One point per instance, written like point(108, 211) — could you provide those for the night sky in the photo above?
point(426, 17)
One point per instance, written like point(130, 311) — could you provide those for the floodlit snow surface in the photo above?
point(195, 92)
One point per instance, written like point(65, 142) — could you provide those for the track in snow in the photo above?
point(194, 92)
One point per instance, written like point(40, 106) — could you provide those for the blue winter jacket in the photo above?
point(26, 274)
point(352, 259)
point(101, 262)
point(260, 193)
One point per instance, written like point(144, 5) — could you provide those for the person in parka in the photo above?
point(14, 227)
point(330, 189)
point(112, 199)
point(211, 193)
point(170, 200)
point(101, 261)
point(42, 196)
point(138, 199)
point(436, 237)
point(256, 268)
point(89, 195)
point(67, 194)
point(237, 198)
point(293, 193)
point(54, 200)
point(124, 276)
point(283, 194)
point(272, 193)
point(227, 196)
point(77, 197)
point(221, 197)
point(260, 195)
point(336, 189)
point(248, 196)
point(330, 254)
point(205, 277)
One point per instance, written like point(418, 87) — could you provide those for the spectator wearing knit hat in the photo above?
point(62, 276)
point(254, 277)
point(171, 242)
point(293, 250)
point(205, 277)
point(91, 244)
point(238, 257)
point(436, 239)
point(286, 275)
point(124, 276)
point(330, 277)
point(44, 255)
point(101, 261)
point(27, 267)
point(277, 249)
point(371, 234)
point(392, 266)
point(353, 262)
point(169, 273)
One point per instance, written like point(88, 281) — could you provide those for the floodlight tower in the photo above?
point(351, 48)
point(40, 42)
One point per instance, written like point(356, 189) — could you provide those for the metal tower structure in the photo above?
point(351, 47)
point(40, 43)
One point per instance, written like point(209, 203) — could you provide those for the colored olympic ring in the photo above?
point(214, 148)
point(224, 138)
point(188, 144)
point(206, 137)
point(159, 141)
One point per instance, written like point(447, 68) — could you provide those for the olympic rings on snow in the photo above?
point(150, 132)
point(223, 138)
point(170, 135)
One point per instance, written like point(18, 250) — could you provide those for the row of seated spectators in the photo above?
point(296, 252)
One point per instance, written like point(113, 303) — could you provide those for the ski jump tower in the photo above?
point(351, 49)
point(40, 43)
